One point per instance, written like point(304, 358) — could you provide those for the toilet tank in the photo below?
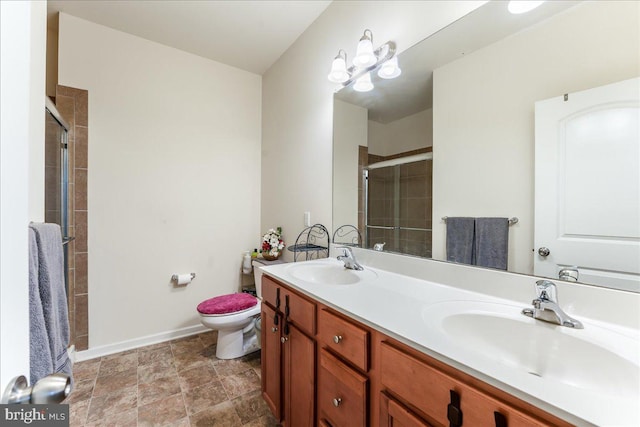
point(257, 272)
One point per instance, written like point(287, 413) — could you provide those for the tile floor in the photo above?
point(176, 383)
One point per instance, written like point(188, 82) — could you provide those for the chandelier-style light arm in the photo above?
point(356, 73)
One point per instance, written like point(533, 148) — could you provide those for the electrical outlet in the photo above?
point(307, 219)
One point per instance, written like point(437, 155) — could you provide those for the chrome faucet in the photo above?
point(379, 246)
point(349, 259)
point(545, 307)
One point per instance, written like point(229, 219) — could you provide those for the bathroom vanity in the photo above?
point(375, 348)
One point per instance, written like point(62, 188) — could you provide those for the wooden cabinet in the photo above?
point(288, 355)
point(365, 378)
point(393, 414)
point(271, 356)
point(443, 397)
point(342, 393)
point(345, 338)
point(299, 378)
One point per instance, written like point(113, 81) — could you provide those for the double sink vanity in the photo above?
point(416, 342)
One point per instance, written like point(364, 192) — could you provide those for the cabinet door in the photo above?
point(429, 390)
point(392, 414)
point(271, 360)
point(299, 377)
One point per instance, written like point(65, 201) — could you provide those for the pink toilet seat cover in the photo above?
point(225, 304)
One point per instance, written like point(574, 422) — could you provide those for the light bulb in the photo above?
point(390, 69)
point(523, 6)
point(364, 53)
point(338, 73)
point(363, 84)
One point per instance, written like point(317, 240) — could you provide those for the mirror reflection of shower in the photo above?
point(56, 195)
point(398, 197)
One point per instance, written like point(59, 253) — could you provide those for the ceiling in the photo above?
point(250, 35)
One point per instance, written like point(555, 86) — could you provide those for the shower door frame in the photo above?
point(428, 156)
point(64, 170)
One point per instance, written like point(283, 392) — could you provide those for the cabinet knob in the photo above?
point(337, 401)
point(274, 329)
point(337, 339)
point(284, 339)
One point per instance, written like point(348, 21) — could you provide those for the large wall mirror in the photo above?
point(455, 134)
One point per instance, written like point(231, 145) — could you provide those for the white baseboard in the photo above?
point(105, 350)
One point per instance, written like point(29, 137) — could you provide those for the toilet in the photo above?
point(234, 317)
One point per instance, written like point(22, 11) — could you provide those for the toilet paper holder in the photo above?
point(175, 277)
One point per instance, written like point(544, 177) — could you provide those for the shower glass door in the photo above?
point(398, 207)
point(56, 160)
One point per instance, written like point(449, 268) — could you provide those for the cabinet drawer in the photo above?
point(295, 308)
point(342, 393)
point(271, 292)
point(345, 338)
point(299, 311)
point(428, 389)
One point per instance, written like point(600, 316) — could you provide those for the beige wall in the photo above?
point(297, 102)
point(484, 112)
point(350, 122)
point(406, 134)
point(173, 182)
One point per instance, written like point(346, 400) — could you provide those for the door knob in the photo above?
point(544, 252)
point(53, 388)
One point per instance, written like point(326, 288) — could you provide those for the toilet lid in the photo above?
point(225, 304)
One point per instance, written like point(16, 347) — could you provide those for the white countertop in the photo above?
point(396, 305)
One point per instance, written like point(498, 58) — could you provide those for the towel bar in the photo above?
point(513, 220)
point(68, 239)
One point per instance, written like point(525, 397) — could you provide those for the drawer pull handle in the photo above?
point(337, 339)
point(337, 401)
point(454, 413)
point(274, 329)
point(284, 339)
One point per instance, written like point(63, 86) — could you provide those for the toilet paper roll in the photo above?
point(183, 279)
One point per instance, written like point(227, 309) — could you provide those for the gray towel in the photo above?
point(460, 235)
point(40, 360)
point(492, 242)
point(53, 294)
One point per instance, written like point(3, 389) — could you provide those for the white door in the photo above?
point(19, 108)
point(587, 185)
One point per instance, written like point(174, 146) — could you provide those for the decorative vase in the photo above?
point(271, 257)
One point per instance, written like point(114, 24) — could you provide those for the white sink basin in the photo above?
point(329, 273)
point(593, 358)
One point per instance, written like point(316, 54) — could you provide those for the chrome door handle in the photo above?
point(53, 388)
point(544, 252)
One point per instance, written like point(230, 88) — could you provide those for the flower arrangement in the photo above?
point(272, 243)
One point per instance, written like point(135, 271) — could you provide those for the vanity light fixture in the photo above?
point(523, 6)
point(363, 84)
point(365, 61)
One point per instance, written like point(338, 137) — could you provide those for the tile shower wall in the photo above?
point(413, 208)
point(73, 106)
